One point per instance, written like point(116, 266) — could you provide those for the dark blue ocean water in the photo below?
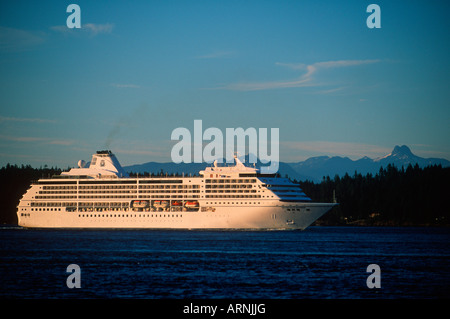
point(320, 262)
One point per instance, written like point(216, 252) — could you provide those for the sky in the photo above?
point(137, 70)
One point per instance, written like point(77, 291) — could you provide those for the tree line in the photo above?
point(14, 181)
point(393, 196)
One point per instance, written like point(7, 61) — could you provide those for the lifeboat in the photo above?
point(191, 204)
point(160, 203)
point(140, 203)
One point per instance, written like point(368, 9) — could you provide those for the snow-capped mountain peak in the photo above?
point(402, 152)
point(398, 153)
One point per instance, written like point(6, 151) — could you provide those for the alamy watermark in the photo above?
point(74, 19)
point(374, 279)
point(374, 19)
point(190, 147)
point(74, 279)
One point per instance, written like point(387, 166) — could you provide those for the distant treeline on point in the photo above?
point(411, 196)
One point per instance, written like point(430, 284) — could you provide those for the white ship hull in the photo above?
point(103, 196)
point(247, 217)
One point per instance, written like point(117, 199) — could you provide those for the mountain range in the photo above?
point(313, 169)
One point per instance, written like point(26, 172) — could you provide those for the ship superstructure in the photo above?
point(102, 195)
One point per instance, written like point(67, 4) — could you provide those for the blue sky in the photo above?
point(137, 70)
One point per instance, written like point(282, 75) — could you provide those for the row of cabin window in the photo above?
point(230, 180)
point(83, 196)
point(121, 187)
point(129, 215)
point(234, 196)
point(80, 204)
point(230, 191)
point(229, 186)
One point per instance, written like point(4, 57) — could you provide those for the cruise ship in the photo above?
point(103, 195)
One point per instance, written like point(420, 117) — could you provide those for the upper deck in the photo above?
point(105, 178)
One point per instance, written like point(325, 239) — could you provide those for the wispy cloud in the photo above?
point(256, 86)
point(95, 29)
point(61, 28)
point(61, 142)
point(34, 139)
point(305, 80)
point(333, 90)
point(23, 119)
point(12, 39)
point(91, 29)
point(21, 138)
point(312, 69)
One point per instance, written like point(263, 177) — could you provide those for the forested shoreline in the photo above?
point(14, 181)
point(411, 196)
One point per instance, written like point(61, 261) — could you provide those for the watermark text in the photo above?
point(237, 140)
